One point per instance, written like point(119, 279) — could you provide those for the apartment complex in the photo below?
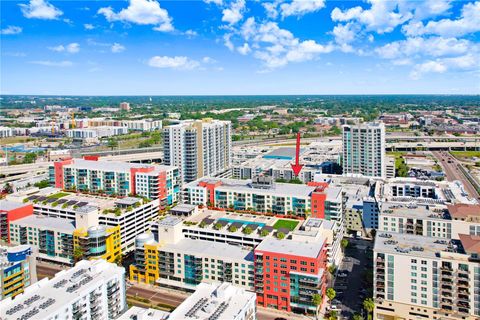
point(132, 215)
point(17, 270)
point(90, 290)
point(441, 221)
point(265, 196)
point(11, 211)
point(289, 273)
point(143, 125)
point(209, 301)
point(417, 277)
point(364, 149)
point(59, 241)
point(117, 178)
point(198, 147)
point(175, 258)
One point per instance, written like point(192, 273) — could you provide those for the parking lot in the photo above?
point(351, 284)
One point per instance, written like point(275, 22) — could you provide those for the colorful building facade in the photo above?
point(117, 178)
point(262, 195)
point(289, 273)
point(17, 270)
point(11, 211)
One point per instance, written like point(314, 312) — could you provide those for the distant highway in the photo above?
point(452, 169)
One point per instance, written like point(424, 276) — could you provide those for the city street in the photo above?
point(352, 289)
point(452, 171)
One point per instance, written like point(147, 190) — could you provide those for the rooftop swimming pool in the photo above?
point(260, 224)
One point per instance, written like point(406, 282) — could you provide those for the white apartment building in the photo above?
point(183, 262)
point(209, 301)
point(430, 220)
point(418, 277)
point(198, 148)
point(216, 302)
point(133, 215)
point(364, 149)
point(90, 290)
point(96, 132)
point(143, 125)
point(5, 132)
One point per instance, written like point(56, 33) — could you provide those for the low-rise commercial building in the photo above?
point(17, 270)
point(90, 290)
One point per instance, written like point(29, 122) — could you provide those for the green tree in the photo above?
point(317, 301)
point(369, 305)
point(218, 226)
point(202, 224)
point(264, 233)
point(344, 243)
point(280, 235)
point(232, 229)
point(332, 315)
point(247, 230)
point(42, 184)
point(112, 143)
point(332, 268)
point(357, 317)
point(330, 293)
point(29, 157)
point(78, 254)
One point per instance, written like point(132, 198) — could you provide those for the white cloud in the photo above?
point(11, 30)
point(245, 49)
point(191, 33)
point(117, 47)
point(208, 60)
point(382, 17)
point(301, 7)
point(49, 63)
point(217, 2)
point(177, 62)
point(271, 9)
point(235, 13)
point(228, 42)
point(70, 48)
point(417, 47)
point(274, 46)
point(143, 12)
point(345, 34)
point(40, 9)
point(88, 26)
point(467, 23)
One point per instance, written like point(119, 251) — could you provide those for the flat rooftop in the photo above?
point(284, 153)
point(6, 205)
point(46, 297)
point(414, 245)
point(204, 247)
point(137, 313)
point(417, 211)
point(59, 224)
point(214, 302)
point(284, 189)
point(291, 247)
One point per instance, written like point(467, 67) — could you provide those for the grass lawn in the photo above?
point(466, 154)
point(289, 224)
point(58, 195)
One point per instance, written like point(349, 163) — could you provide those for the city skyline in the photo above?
point(215, 47)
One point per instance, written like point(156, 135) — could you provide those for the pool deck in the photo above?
point(216, 214)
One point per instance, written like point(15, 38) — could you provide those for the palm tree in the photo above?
point(330, 294)
point(317, 301)
point(369, 305)
point(357, 317)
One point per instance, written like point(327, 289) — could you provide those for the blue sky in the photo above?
point(148, 47)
